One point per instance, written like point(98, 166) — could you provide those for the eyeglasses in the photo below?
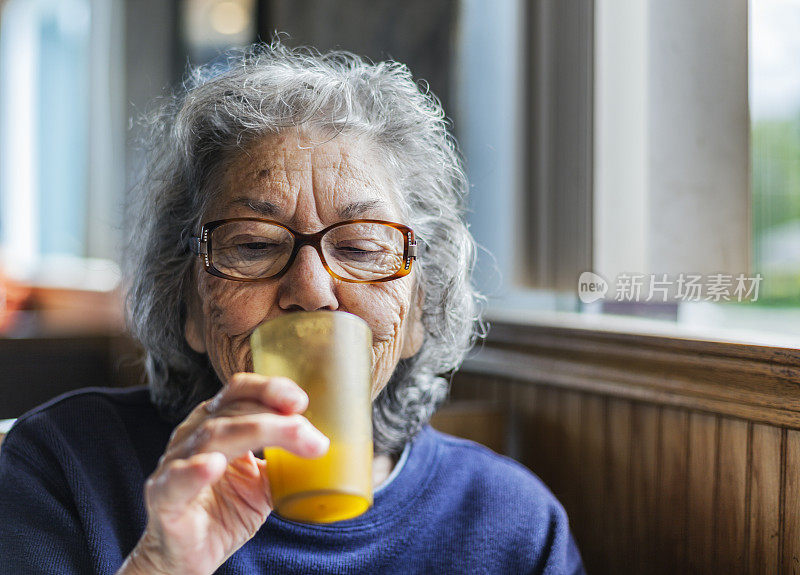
point(358, 251)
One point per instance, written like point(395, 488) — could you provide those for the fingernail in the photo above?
point(314, 440)
point(295, 398)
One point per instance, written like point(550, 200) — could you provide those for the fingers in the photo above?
point(235, 436)
point(181, 480)
point(277, 393)
point(246, 393)
point(250, 413)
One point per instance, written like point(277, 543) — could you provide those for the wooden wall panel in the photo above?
point(588, 532)
point(730, 538)
point(645, 437)
point(535, 410)
point(764, 512)
point(671, 492)
point(651, 488)
point(528, 421)
point(468, 387)
point(617, 516)
point(571, 418)
point(701, 480)
point(483, 421)
point(791, 505)
point(684, 458)
point(37, 369)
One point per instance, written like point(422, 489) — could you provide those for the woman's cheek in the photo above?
point(383, 307)
point(233, 308)
point(231, 315)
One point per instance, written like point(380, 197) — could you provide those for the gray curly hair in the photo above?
point(263, 90)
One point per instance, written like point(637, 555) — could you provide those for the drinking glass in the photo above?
point(329, 355)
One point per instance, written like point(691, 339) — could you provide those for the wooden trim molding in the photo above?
point(754, 382)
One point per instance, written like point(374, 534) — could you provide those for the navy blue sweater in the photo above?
point(72, 474)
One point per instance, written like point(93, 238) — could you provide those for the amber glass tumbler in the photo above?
point(329, 355)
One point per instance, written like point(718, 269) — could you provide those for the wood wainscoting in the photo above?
point(670, 456)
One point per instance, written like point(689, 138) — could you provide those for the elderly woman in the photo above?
point(164, 479)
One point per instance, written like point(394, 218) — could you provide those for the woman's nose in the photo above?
point(307, 285)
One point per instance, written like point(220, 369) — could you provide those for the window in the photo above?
point(615, 137)
point(61, 134)
point(775, 147)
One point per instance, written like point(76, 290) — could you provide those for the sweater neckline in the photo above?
point(401, 461)
point(393, 500)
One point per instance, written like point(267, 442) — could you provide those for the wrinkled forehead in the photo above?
point(287, 175)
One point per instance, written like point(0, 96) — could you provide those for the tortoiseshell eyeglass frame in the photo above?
point(203, 247)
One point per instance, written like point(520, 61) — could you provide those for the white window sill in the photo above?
point(714, 323)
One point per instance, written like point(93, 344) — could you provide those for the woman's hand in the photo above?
point(210, 494)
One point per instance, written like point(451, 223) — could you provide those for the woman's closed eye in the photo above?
point(259, 247)
point(361, 250)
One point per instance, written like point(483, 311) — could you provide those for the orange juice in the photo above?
point(329, 355)
point(302, 488)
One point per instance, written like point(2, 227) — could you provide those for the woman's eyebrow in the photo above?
point(348, 212)
point(262, 207)
point(355, 209)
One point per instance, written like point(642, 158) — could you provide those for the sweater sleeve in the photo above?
point(565, 560)
point(560, 555)
point(40, 531)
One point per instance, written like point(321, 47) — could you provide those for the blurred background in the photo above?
point(642, 142)
point(635, 173)
point(616, 137)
